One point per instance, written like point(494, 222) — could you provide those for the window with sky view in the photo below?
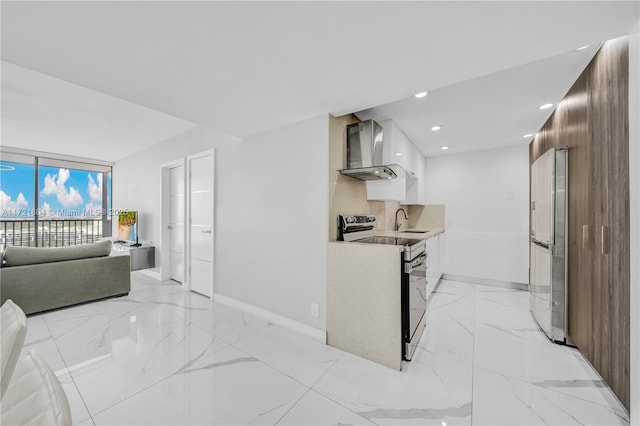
point(69, 205)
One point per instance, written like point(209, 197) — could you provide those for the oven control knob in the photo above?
point(349, 219)
point(371, 219)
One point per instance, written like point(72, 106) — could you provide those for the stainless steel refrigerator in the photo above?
point(548, 250)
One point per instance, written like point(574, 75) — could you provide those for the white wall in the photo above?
point(486, 233)
point(634, 188)
point(262, 182)
point(136, 179)
point(272, 220)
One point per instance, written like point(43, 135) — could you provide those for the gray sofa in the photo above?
point(40, 279)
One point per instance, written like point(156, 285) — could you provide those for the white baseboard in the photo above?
point(150, 273)
point(298, 327)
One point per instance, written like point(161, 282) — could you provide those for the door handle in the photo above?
point(206, 231)
point(604, 239)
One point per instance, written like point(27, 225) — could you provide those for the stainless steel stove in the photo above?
point(361, 229)
point(413, 247)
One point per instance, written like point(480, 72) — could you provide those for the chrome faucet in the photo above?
point(406, 216)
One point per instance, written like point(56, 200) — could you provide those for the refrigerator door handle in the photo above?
point(545, 246)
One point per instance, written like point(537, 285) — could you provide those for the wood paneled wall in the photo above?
point(592, 120)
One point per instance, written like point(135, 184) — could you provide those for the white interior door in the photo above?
point(176, 223)
point(201, 231)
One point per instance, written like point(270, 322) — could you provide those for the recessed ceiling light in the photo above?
point(582, 47)
point(545, 106)
point(436, 128)
point(398, 154)
point(444, 148)
point(528, 135)
point(420, 95)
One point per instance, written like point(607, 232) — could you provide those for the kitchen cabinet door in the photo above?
point(581, 230)
point(409, 188)
point(607, 88)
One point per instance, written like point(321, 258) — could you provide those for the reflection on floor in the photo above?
point(165, 356)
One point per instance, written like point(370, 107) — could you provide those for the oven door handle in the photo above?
point(409, 267)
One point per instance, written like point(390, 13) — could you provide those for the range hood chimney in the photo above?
point(364, 152)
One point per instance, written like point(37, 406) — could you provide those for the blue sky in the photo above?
point(60, 190)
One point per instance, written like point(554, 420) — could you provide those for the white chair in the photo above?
point(31, 392)
point(13, 326)
point(35, 396)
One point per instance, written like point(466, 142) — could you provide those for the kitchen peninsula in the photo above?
point(364, 294)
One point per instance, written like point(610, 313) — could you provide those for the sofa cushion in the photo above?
point(16, 256)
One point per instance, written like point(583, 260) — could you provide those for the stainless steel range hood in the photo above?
point(364, 152)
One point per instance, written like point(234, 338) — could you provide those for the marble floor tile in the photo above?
point(225, 388)
point(87, 337)
point(40, 340)
point(516, 355)
point(79, 412)
point(430, 389)
point(162, 355)
point(316, 410)
point(111, 359)
point(232, 325)
point(301, 358)
point(448, 335)
point(457, 287)
point(224, 322)
point(521, 403)
point(455, 299)
point(113, 308)
point(196, 309)
point(150, 288)
point(37, 329)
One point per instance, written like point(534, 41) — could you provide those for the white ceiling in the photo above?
point(486, 112)
point(245, 67)
point(46, 114)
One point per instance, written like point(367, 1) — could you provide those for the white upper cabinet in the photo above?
point(396, 146)
point(409, 187)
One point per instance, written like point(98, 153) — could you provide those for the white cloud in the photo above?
point(55, 184)
point(70, 199)
point(50, 186)
point(95, 189)
point(7, 204)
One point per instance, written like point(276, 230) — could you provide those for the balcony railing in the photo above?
point(49, 232)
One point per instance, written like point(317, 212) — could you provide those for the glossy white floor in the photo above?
point(165, 356)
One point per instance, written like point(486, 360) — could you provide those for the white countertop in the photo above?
point(417, 235)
